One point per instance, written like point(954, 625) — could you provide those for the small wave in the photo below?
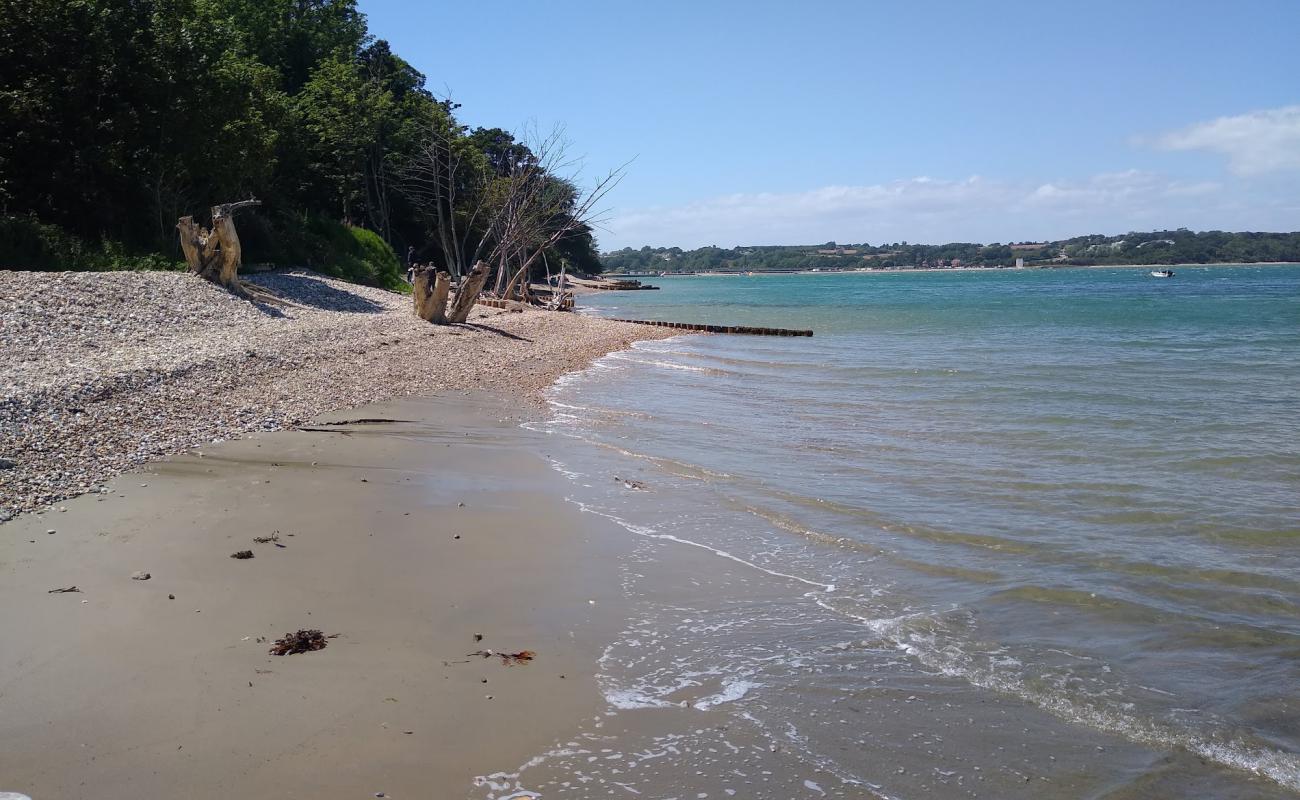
point(651, 533)
point(732, 690)
point(628, 699)
point(623, 356)
point(1278, 766)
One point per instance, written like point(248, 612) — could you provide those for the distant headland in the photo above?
point(1180, 246)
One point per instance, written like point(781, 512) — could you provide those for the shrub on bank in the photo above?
point(360, 255)
point(342, 251)
point(27, 243)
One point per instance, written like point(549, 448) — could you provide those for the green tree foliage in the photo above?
point(119, 116)
point(1158, 247)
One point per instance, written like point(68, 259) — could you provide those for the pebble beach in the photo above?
point(103, 372)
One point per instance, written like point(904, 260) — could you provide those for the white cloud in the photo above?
point(1258, 143)
point(926, 209)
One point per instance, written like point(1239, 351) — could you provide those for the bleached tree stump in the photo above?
point(467, 295)
point(215, 254)
point(430, 294)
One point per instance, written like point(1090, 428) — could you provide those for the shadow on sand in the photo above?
point(478, 326)
point(309, 290)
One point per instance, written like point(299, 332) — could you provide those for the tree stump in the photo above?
point(430, 294)
point(468, 293)
point(215, 254)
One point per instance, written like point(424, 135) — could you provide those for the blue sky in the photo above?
point(785, 123)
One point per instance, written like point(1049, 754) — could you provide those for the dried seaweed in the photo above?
point(304, 641)
point(509, 659)
point(242, 554)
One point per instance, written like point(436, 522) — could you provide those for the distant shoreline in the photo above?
point(757, 273)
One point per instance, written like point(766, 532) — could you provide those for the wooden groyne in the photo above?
point(739, 329)
point(512, 305)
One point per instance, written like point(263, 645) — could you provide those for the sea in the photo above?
point(1012, 533)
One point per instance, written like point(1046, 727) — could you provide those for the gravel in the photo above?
point(104, 371)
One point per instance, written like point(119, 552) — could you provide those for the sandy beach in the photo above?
point(410, 540)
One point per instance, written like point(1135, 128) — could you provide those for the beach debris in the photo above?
point(365, 480)
point(478, 637)
point(51, 531)
point(171, 597)
point(64, 591)
point(630, 484)
point(272, 539)
point(140, 575)
point(6, 463)
point(304, 641)
point(460, 505)
point(508, 659)
point(364, 421)
point(242, 554)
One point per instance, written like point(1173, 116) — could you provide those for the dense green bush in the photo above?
point(27, 243)
point(343, 251)
point(358, 255)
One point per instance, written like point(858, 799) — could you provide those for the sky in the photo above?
point(910, 120)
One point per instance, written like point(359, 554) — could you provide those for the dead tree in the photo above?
point(501, 220)
point(216, 254)
point(548, 209)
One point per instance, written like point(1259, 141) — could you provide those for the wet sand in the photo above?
point(117, 691)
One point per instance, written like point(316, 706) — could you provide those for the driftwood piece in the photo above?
point(468, 293)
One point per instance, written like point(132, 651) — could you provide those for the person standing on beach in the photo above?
point(410, 264)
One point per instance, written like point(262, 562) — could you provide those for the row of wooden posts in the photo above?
point(739, 329)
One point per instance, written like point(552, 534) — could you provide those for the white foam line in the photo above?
point(651, 534)
point(623, 356)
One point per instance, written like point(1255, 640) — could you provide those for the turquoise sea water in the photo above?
point(1000, 534)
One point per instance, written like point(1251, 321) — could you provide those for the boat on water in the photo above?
point(1162, 273)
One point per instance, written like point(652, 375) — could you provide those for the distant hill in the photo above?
point(1157, 247)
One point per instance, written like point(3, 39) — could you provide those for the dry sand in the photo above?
point(102, 372)
point(120, 691)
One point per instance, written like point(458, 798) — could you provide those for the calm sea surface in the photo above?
point(995, 534)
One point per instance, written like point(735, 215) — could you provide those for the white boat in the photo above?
point(1162, 273)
